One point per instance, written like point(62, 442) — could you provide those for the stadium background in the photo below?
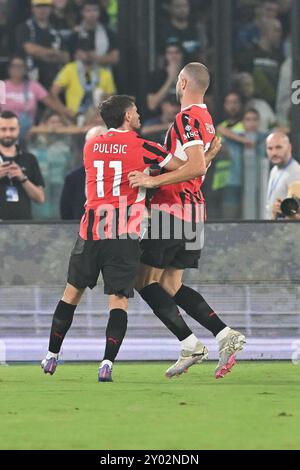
point(249, 272)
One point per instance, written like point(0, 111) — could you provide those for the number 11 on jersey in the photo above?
point(117, 166)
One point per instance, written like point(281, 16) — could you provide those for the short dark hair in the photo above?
point(8, 115)
point(113, 110)
point(171, 42)
point(234, 92)
point(49, 113)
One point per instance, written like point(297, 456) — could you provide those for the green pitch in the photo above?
point(256, 407)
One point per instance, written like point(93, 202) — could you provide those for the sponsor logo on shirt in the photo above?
point(210, 128)
point(190, 135)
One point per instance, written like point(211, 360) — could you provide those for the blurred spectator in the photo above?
point(41, 44)
point(244, 84)
point(285, 171)
point(233, 109)
point(155, 128)
point(263, 60)
point(54, 144)
point(73, 195)
point(23, 96)
point(284, 91)
point(20, 177)
point(53, 123)
point(253, 165)
point(179, 26)
point(63, 20)
point(162, 82)
point(251, 125)
point(249, 34)
point(102, 41)
point(227, 176)
point(238, 169)
point(84, 83)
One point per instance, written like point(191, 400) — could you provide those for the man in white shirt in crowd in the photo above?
point(286, 170)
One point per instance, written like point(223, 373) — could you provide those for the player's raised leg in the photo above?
point(61, 323)
point(164, 307)
point(115, 333)
point(230, 341)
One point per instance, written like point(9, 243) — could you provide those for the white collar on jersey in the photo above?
point(202, 105)
point(116, 130)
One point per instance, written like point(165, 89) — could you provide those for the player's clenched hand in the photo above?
point(138, 179)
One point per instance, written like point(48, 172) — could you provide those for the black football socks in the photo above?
point(165, 308)
point(115, 333)
point(196, 307)
point(61, 323)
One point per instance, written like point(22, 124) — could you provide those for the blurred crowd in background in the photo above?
point(60, 58)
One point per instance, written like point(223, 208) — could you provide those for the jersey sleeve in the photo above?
point(155, 153)
point(188, 131)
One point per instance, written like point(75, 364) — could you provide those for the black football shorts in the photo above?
point(163, 252)
point(118, 261)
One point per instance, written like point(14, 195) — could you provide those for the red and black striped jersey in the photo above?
point(114, 208)
point(192, 126)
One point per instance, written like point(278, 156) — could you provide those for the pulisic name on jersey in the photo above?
point(115, 149)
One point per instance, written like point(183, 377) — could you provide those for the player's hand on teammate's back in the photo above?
point(213, 151)
point(215, 146)
point(138, 179)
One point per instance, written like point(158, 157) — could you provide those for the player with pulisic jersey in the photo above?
point(164, 257)
point(111, 202)
point(109, 230)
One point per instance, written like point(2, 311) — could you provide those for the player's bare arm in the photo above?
point(179, 171)
point(210, 155)
point(193, 168)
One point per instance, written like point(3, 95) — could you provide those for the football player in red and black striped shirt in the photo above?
point(179, 203)
point(109, 231)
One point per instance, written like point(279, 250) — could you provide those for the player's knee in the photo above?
point(146, 279)
point(72, 295)
point(170, 284)
point(118, 302)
